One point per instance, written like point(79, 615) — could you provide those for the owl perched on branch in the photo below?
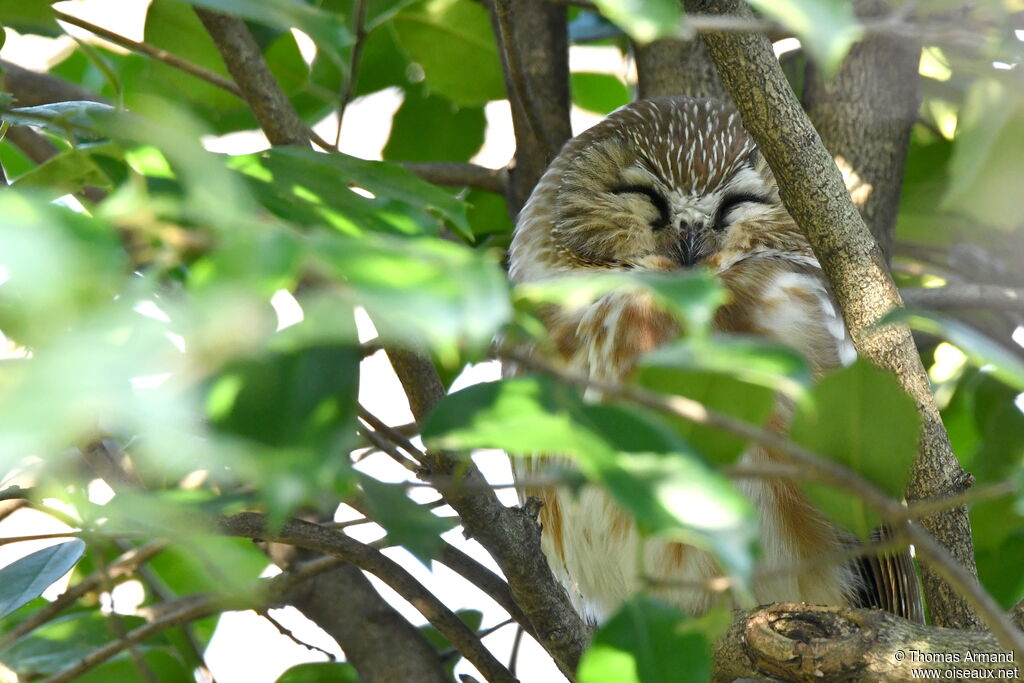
point(661, 185)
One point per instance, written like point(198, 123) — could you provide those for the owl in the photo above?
point(661, 185)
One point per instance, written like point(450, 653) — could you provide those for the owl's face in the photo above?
point(658, 185)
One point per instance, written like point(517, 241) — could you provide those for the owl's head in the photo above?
point(659, 184)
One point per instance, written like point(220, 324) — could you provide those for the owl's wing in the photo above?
point(786, 299)
point(890, 582)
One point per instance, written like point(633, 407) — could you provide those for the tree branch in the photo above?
point(673, 66)
point(815, 194)
point(153, 51)
point(965, 296)
point(259, 88)
point(810, 643)
point(510, 535)
point(460, 175)
point(864, 116)
point(315, 537)
point(532, 36)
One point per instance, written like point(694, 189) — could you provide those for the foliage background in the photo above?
point(144, 348)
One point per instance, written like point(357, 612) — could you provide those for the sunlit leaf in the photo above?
point(320, 672)
point(979, 349)
point(26, 579)
point(648, 641)
point(827, 28)
point(860, 418)
point(597, 92)
point(452, 40)
point(985, 169)
point(643, 20)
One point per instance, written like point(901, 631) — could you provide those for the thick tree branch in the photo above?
point(315, 537)
point(864, 116)
point(672, 66)
point(815, 194)
point(510, 535)
point(535, 57)
point(808, 643)
point(259, 88)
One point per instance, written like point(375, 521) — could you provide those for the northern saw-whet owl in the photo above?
point(661, 185)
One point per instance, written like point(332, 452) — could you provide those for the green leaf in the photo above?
point(301, 397)
point(62, 642)
point(470, 617)
point(166, 667)
point(650, 472)
point(860, 418)
point(452, 40)
point(827, 28)
point(77, 120)
point(596, 92)
point(692, 296)
point(320, 672)
point(384, 180)
point(25, 579)
point(648, 641)
point(431, 128)
point(717, 391)
point(29, 16)
point(326, 28)
point(748, 359)
point(64, 173)
point(643, 20)
point(407, 523)
point(979, 349)
point(984, 170)
point(428, 291)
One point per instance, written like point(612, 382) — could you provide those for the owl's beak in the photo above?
point(688, 249)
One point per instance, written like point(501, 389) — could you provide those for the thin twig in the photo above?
point(117, 624)
point(392, 434)
point(359, 13)
point(457, 174)
point(513, 658)
point(386, 447)
point(286, 632)
point(149, 50)
point(965, 296)
point(315, 537)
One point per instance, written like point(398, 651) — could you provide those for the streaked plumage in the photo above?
point(659, 185)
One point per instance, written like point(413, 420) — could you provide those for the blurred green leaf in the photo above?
point(67, 172)
point(383, 180)
point(985, 169)
point(62, 642)
point(452, 40)
point(980, 349)
point(29, 16)
point(320, 672)
point(470, 617)
point(443, 295)
point(165, 666)
point(26, 579)
point(596, 92)
point(650, 472)
point(648, 641)
point(717, 391)
point(827, 28)
point(643, 20)
point(488, 214)
point(692, 296)
point(860, 418)
point(407, 523)
point(431, 128)
point(748, 359)
point(303, 397)
point(78, 120)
